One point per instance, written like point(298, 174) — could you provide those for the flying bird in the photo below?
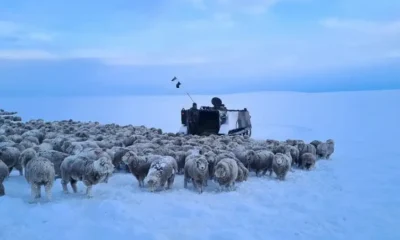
point(173, 79)
point(178, 84)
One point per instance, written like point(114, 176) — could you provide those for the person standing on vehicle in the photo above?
point(193, 119)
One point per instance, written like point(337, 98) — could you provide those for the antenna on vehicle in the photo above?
point(178, 85)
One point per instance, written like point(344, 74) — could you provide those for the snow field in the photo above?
point(353, 196)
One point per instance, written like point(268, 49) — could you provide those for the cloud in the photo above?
point(27, 55)
point(363, 26)
point(19, 33)
point(252, 7)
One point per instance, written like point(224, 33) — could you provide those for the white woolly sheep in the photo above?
point(196, 169)
point(243, 172)
point(80, 168)
point(281, 165)
point(4, 173)
point(226, 172)
point(39, 171)
point(162, 170)
point(55, 157)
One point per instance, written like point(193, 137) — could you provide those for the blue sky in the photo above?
point(54, 47)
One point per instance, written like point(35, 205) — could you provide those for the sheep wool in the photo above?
point(226, 173)
point(81, 168)
point(39, 171)
point(308, 161)
point(4, 173)
point(281, 165)
point(162, 171)
point(196, 169)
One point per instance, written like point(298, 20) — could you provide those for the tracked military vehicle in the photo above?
point(217, 120)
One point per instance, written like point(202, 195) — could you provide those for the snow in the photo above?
point(230, 124)
point(353, 196)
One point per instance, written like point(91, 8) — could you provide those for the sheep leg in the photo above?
point(35, 193)
point(48, 188)
point(2, 190)
point(73, 185)
point(10, 169)
point(64, 186)
point(196, 186)
point(170, 181)
point(264, 172)
point(185, 180)
point(89, 191)
point(141, 183)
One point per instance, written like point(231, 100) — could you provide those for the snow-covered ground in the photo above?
point(356, 195)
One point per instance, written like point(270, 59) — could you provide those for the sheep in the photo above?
point(305, 148)
point(243, 172)
point(281, 165)
point(294, 153)
point(180, 159)
point(196, 169)
point(55, 157)
point(10, 156)
point(308, 161)
point(325, 149)
point(162, 171)
point(89, 171)
point(261, 161)
point(211, 158)
point(315, 143)
point(39, 171)
point(226, 172)
point(4, 173)
point(245, 156)
point(117, 160)
point(139, 166)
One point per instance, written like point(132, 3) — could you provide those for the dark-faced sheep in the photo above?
point(281, 165)
point(306, 148)
point(196, 169)
point(80, 168)
point(261, 161)
point(294, 153)
point(10, 156)
point(139, 166)
point(226, 173)
point(308, 161)
point(325, 149)
point(4, 173)
point(315, 143)
point(162, 171)
point(39, 171)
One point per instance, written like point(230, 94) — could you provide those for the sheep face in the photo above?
point(153, 182)
point(250, 155)
point(201, 165)
point(220, 172)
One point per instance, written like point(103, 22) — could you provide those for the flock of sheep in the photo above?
point(91, 152)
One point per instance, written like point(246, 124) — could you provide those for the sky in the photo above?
point(130, 47)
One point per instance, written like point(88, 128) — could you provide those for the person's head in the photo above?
point(194, 105)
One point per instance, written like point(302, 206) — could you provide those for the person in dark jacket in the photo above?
point(193, 119)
